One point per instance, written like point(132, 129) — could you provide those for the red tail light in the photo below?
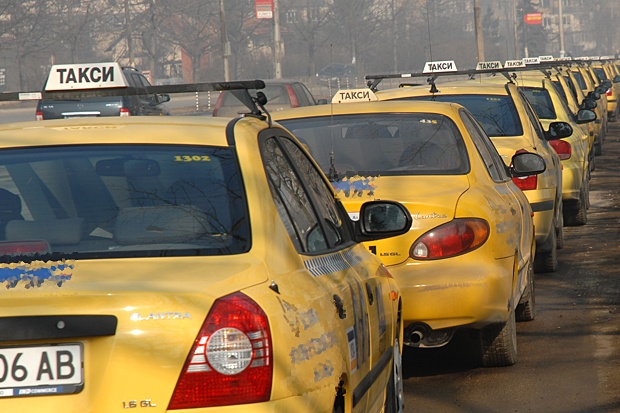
point(453, 238)
point(526, 183)
point(563, 148)
point(125, 112)
point(24, 247)
point(609, 92)
point(231, 360)
point(39, 115)
point(293, 96)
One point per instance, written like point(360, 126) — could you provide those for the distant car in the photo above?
point(513, 127)
point(337, 74)
point(188, 263)
point(467, 262)
point(86, 76)
point(281, 94)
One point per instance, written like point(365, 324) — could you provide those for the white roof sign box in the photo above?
point(531, 60)
point(354, 95)
point(85, 76)
point(509, 64)
point(489, 65)
point(438, 67)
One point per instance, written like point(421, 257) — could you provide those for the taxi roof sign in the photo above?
point(439, 67)
point(85, 76)
point(354, 95)
point(489, 65)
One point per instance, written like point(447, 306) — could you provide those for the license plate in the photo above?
point(41, 370)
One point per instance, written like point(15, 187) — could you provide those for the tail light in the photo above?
point(562, 148)
point(456, 237)
point(125, 112)
point(526, 183)
point(292, 96)
point(609, 92)
point(39, 115)
point(231, 360)
point(24, 247)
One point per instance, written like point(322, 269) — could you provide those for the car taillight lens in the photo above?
point(39, 115)
point(125, 112)
point(453, 238)
point(526, 183)
point(231, 360)
point(292, 96)
point(562, 148)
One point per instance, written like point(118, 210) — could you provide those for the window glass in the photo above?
point(492, 160)
point(497, 114)
point(126, 201)
point(291, 197)
point(541, 102)
point(386, 144)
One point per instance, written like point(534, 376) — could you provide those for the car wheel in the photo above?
point(498, 343)
point(395, 395)
point(575, 211)
point(559, 227)
point(526, 310)
point(547, 261)
point(598, 147)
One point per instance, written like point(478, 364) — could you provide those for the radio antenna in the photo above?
point(428, 28)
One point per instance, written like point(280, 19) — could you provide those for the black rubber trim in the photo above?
point(542, 206)
point(56, 327)
point(371, 377)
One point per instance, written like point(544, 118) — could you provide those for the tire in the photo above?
point(498, 343)
point(575, 212)
point(526, 310)
point(395, 394)
point(559, 237)
point(547, 261)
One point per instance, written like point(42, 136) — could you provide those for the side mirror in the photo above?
point(601, 89)
point(321, 102)
point(617, 79)
point(585, 116)
point(606, 83)
point(588, 103)
point(382, 219)
point(164, 98)
point(558, 130)
point(594, 95)
point(526, 164)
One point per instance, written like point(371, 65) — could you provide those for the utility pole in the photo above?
point(276, 39)
point(515, 27)
point(225, 43)
point(128, 34)
point(561, 27)
point(479, 32)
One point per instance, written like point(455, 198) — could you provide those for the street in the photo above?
point(569, 356)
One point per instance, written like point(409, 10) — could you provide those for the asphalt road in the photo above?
point(569, 355)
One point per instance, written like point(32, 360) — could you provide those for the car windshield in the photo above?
point(121, 201)
point(497, 114)
point(386, 144)
point(540, 100)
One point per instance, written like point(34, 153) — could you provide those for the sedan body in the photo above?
point(467, 260)
point(188, 264)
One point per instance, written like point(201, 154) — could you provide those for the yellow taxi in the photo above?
point(513, 127)
point(610, 78)
point(189, 264)
point(573, 150)
point(585, 82)
point(467, 261)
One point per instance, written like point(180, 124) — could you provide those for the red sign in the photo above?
point(264, 9)
point(532, 18)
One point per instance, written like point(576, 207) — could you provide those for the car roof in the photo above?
point(445, 108)
point(193, 130)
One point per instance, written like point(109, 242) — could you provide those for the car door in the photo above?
point(356, 282)
point(514, 223)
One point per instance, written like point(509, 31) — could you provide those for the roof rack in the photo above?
point(239, 88)
point(508, 70)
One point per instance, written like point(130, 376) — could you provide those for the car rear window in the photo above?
point(541, 101)
point(385, 144)
point(122, 201)
point(497, 114)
